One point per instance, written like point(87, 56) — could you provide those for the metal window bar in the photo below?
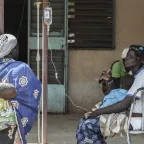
point(92, 23)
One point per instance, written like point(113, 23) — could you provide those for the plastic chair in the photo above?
point(129, 133)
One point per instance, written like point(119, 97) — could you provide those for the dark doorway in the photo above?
point(16, 24)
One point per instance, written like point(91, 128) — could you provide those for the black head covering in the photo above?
point(139, 51)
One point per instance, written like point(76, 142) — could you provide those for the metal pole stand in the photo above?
point(38, 68)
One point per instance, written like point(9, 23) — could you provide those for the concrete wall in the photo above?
point(85, 66)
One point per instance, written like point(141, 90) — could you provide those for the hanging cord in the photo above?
point(21, 18)
point(56, 76)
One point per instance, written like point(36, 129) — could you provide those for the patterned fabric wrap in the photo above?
point(88, 132)
point(114, 124)
point(7, 136)
point(28, 88)
point(7, 116)
point(7, 43)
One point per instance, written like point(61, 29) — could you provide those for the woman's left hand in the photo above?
point(87, 115)
point(91, 114)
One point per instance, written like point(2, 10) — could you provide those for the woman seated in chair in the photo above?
point(88, 131)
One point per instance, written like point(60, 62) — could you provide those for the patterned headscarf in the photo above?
point(7, 43)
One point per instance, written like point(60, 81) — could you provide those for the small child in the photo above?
point(117, 95)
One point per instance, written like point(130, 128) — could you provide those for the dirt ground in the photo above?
point(61, 130)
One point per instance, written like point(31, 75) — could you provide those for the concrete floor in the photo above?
point(61, 130)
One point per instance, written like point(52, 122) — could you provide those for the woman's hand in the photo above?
point(87, 115)
point(91, 114)
point(115, 108)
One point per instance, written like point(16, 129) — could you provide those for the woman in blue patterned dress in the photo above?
point(20, 99)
